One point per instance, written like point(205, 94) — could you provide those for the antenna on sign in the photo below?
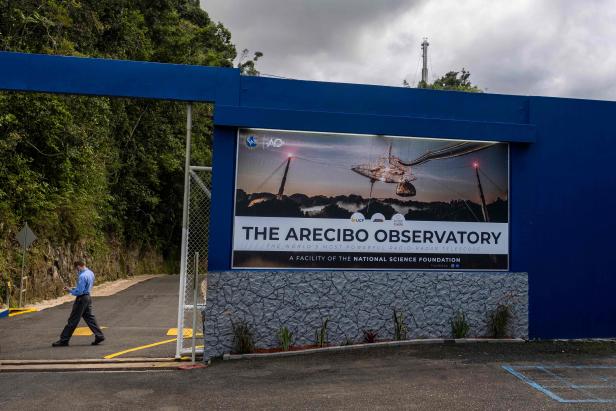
point(484, 208)
point(284, 178)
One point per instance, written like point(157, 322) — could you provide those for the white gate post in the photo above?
point(183, 252)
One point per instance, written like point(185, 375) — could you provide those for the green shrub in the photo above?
point(498, 321)
point(459, 325)
point(285, 338)
point(320, 335)
point(243, 340)
point(400, 328)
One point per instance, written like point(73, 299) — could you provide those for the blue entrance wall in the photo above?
point(563, 181)
point(564, 203)
point(562, 160)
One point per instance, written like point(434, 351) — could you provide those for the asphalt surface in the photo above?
point(139, 315)
point(413, 377)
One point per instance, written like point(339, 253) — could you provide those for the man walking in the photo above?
point(82, 307)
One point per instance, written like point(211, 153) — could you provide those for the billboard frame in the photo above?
point(236, 161)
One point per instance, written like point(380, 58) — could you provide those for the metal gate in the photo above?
point(193, 276)
point(194, 253)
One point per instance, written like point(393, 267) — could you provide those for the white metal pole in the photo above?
point(23, 264)
point(8, 293)
point(194, 313)
point(183, 251)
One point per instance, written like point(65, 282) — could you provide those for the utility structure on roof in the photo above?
point(424, 59)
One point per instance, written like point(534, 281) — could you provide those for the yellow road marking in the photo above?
point(142, 347)
point(187, 332)
point(19, 311)
point(84, 331)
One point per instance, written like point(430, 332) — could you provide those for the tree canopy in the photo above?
point(248, 66)
point(452, 81)
point(95, 170)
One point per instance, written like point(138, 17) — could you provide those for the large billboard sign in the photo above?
point(340, 201)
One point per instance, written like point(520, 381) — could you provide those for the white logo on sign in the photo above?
point(398, 220)
point(378, 218)
point(274, 142)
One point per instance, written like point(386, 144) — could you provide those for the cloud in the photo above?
point(299, 27)
point(550, 47)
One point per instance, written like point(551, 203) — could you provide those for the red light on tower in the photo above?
point(475, 164)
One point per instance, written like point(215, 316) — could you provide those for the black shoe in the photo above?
point(60, 343)
point(97, 340)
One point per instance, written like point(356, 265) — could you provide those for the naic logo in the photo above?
point(252, 142)
point(274, 142)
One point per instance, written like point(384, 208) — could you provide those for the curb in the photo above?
point(89, 367)
point(12, 312)
point(355, 347)
point(88, 361)
point(126, 364)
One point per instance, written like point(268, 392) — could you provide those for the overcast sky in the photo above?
point(563, 48)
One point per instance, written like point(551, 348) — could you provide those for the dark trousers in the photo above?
point(82, 307)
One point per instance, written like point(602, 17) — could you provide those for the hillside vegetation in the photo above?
point(97, 177)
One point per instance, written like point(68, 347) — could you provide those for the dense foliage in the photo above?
point(451, 81)
point(96, 171)
point(454, 81)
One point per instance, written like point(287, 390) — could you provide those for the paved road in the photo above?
point(416, 377)
point(137, 316)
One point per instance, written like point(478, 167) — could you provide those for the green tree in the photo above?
point(452, 81)
point(90, 173)
point(248, 67)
